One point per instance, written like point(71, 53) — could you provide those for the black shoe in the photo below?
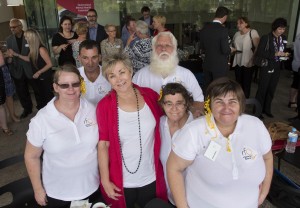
point(270, 115)
point(25, 114)
point(294, 119)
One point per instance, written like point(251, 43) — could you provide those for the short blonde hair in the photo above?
point(108, 26)
point(161, 19)
point(81, 28)
point(111, 61)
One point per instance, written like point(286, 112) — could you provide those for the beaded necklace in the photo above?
point(140, 135)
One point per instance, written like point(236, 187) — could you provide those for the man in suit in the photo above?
point(96, 31)
point(20, 70)
point(147, 18)
point(214, 44)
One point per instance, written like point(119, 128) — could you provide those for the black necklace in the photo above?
point(140, 135)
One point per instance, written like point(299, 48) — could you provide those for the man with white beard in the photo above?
point(164, 69)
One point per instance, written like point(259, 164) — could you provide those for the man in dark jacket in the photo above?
point(214, 43)
point(96, 31)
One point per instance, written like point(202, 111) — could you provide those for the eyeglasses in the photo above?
point(179, 105)
point(14, 27)
point(160, 46)
point(66, 86)
point(92, 16)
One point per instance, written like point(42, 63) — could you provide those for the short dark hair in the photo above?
point(62, 19)
point(172, 89)
point(128, 20)
point(93, 10)
point(221, 12)
point(89, 44)
point(279, 22)
point(246, 20)
point(224, 85)
point(145, 9)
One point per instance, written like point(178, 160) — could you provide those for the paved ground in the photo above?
point(14, 145)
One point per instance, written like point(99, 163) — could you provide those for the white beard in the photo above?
point(166, 66)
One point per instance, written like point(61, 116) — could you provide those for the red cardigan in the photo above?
point(108, 131)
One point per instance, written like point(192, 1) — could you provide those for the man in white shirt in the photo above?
point(95, 83)
point(164, 69)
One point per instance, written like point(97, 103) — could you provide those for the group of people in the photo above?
point(124, 136)
point(246, 45)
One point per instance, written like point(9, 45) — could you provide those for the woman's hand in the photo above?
point(64, 46)
point(111, 190)
point(36, 75)
point(40, 197)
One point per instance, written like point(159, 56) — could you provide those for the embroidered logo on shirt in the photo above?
point(89, 122)
point(102, 90)
point(248, 153)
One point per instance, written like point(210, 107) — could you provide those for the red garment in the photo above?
point(108, 131)
point(156, 31)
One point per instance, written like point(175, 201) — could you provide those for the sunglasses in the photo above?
point(66, 86)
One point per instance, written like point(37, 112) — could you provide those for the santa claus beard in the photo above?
point(164, 64)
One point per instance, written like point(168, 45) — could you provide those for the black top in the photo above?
point(39, 65)
point(67, 55)
point(19, 42)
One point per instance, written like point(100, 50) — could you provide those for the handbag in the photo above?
point(260, 61)
point(252, 44)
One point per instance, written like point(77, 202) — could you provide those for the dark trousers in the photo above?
point(209, 76)
point(23, 92)
point(46, 90)
point(267, 86)
point(56, 203)
point(140, 196)
point(243, 76)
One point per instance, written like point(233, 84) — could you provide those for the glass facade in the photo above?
point(184, 17)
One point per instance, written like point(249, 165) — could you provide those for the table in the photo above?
point(291, 158)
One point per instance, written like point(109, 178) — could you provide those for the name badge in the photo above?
point(212, 150)
point(118, 46)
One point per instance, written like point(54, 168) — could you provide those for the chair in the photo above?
point(21, 189)
point(256, 107)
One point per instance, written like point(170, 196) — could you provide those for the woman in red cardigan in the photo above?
point(128, 150)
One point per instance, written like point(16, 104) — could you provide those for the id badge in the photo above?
point(212, 150)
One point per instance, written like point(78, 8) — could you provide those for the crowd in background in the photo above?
point(125, 108)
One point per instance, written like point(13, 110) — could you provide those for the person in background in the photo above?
point(214, 43)
point(111, 45)
point(3, 121)
point(41, 65)
point(145, 11)
point(129, 139)
point(245, 41)
point(96, 31)
point(9, 89)
point(128, 29)
point(164, 69)
point(140, 52)
point(295, 87)
point(159, 23)
point(81, 29)
point(176, 101)
point(269, 75)
point(221, 153)
point(96, 86)
point(62, 41)
point(21, 70)
point(61, 148)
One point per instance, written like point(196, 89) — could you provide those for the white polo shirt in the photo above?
point(145, 78)
point(165, 148)
point(70, 165)
point(233, 179)
point(95, 91)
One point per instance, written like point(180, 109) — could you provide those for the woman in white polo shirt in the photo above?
point(176, 101)
point(226, 154)
point(66, 132)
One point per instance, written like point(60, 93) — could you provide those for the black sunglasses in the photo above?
point(66, 86)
